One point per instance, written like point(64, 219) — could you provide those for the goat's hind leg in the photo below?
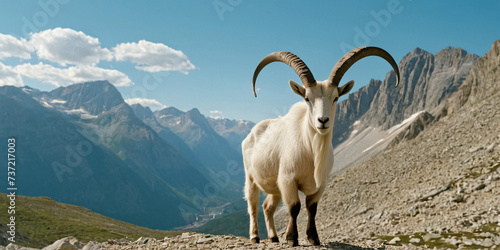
point(252, 197)
point(269, 206)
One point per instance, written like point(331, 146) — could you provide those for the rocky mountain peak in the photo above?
point(142, 112)
point(21, 95)
point(426, 81)
point(481, 82)
point(417, 59)
point(195, 115)
point(453, 58)
point(495, 47)
point(94, 97)
point(194, 111)
point(170, 111)
point(416, 53)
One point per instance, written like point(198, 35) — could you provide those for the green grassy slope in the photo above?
point(236, 223)
point(40, 221)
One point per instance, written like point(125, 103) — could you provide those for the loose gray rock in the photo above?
point(475, 149)
point(497, 240)
point(458, 198)
point(491, 147)
point(414, 211)
point(415, 240)
point(377, 217)
point(204, 240)
point(67, 243)
point(467, 242)
point(488, 242)
point(394, 241)
point(92, 245)
point(454, 241)
point(13, 246)
point(431, 236)
point(479, 186)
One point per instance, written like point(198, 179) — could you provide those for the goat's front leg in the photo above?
point(312, 206)
point(289, 192)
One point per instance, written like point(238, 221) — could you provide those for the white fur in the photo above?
point(291, 153)
point(288, 146)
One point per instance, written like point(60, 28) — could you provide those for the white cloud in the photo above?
point(73, 57)
point(71, 75)
point(153, 57)
point(67, 46)
point(215, 112)
point(12, 47)
point(145, 102)
point(8, 76)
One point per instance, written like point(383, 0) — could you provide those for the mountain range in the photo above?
point(377, 114)
point(426, 81)
point(436, 185)
point(83, 145)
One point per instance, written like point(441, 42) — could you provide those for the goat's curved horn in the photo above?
point(293, 61)
point(356, 54)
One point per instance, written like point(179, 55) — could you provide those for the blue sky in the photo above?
point(202, 54)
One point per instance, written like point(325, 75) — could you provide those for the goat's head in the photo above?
point(322, 96)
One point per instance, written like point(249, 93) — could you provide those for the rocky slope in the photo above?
point(352, 109)
point(379, 115)
point(185, 241)
point(439, 189)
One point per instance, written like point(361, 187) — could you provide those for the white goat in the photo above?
point(294, 152)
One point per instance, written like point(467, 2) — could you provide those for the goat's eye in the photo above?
point(336, 98)
point(307, 99)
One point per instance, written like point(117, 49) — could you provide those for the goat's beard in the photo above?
point(320, 147)
point(323, 132)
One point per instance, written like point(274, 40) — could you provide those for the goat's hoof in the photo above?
point(275, 239)
point(314, 241)
point(255, 240)
point(293, 243)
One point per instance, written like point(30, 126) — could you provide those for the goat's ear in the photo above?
point(346, 88)
point(299, 90)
